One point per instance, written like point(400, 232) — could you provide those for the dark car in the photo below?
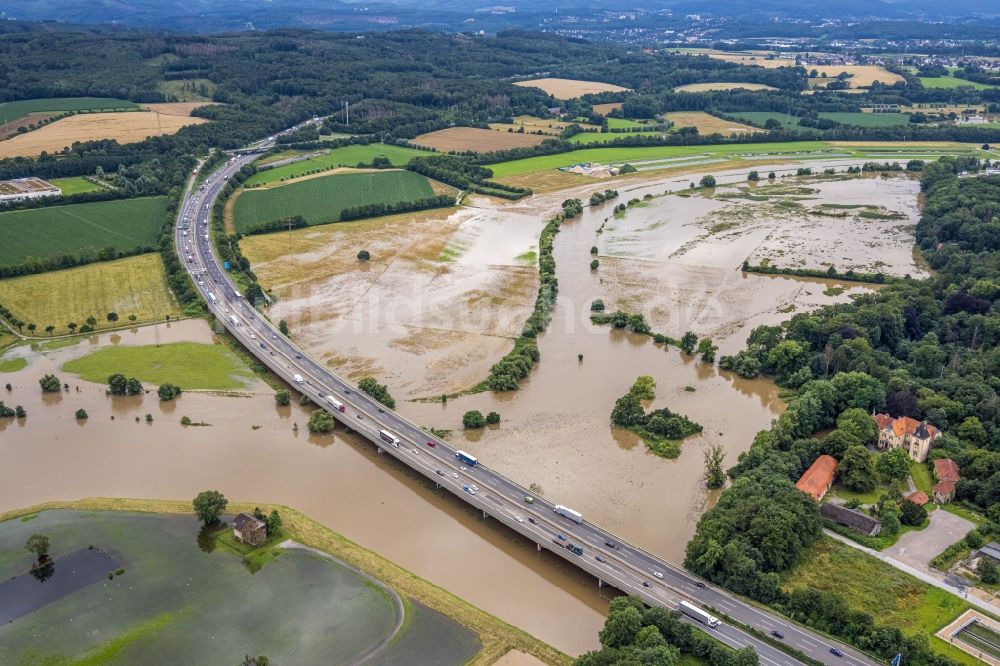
point(610, 544)
point(645, 583)
point(440, 473)
point(777, 634)
point(699, 584)
point(562, 537)
point(532, 520)
point(598, 558)
point(836, 652)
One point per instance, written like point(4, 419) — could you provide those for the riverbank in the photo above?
point(497, 637)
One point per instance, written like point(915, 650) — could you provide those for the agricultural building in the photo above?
point(856, 520)
point(915, 437)
point(947, 474)
point(819, 477)
point(21, 189)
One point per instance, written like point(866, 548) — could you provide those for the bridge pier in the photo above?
point(379, 450)
point(538, 547)
point(484, 514)
point(600, 583)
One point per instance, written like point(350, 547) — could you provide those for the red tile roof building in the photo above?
point(947, 473)
point(915, 437)
point(819, 477)
point(918, 497)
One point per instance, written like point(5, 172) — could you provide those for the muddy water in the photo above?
point(336, 479)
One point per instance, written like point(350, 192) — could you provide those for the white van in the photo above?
point(298, 379)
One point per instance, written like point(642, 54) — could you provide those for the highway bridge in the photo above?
point(609, 558)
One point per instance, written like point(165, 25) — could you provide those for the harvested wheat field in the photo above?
point(704, 87)
point(752, 59)
point(707, 123)
point(125, 127)
point(535, 125)
point(862, 75)
point(570, 88)
point(605, 109)
point(460, 139)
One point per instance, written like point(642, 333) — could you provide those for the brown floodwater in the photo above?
point(555, 431)
point(339, 480)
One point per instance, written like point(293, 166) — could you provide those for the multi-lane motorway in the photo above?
point(609, 558)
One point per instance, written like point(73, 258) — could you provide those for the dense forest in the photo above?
point(928, 349)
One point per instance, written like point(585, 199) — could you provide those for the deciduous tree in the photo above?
point(209, 505)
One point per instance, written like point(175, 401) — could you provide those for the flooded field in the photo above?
point(439, 302)
point(337, 479)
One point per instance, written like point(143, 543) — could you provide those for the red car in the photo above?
point(431, 444)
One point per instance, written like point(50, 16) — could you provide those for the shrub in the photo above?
point(81, 414)
point(320, 421)
point(283, 397)
point(473, 419)
point(492, 418)
point(50, 384)
point(594, 264)
point(379, 392)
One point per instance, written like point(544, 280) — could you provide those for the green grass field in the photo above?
point(734, 151)
point(921, 477)
point(344, 156)
point(868, 119)
point(47, 232)
point(74, 185)
point(950, 82)
point(320, 200)
point(892, 597)
point(188, 90)
point(177, 585)
point(13, 364)
point(623, 123)
point(131, 286)
point(12, 110)
point(761, 117)
point(190, 365)
point(589, 138)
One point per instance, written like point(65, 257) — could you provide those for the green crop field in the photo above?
point(190, 365)
point(761, 117)
point(588, 138)
point(74, 185)
point(12, 110)
point(344, 156)
point(48, 232)
point(950, 82)
point(623, 123)
point(320, 200)
point(868, 119)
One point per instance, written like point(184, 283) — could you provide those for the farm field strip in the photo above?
point(345, 156)
point(950, 82)
point(56, 230)
point(11, 111)
point(461, 139)
point(792, 150)
point(75, 185)
point(131, 286)
point(569, 88)
point(124, 127)
point(707, 123)
point(321, 200)
point(722, 85)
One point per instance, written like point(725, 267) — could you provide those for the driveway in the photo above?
point(917, 548)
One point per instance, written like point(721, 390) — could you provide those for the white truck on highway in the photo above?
point(338, 405)
point(211, 297)
point(698, 614)
point(567, 512)
point(232, 318)
point(298, 378)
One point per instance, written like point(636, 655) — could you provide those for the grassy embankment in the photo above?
point(14, 110)
point(131, 286)
point(12, 364)
point(190, 365)
point(801, 150)
point(890, 596)
point(497, 636)
point(321, 200)
point(345, 156)
point(41, 233)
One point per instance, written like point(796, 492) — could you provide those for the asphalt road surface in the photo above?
point(609, 558)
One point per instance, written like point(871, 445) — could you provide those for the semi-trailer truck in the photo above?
point(469, 460)
point(698, 614)
point(567, 512)
point(338, 405)
point(388, 438)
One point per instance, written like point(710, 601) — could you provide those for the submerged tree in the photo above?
point(715, 475)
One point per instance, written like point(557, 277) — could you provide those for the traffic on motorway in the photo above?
point(557, 528)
